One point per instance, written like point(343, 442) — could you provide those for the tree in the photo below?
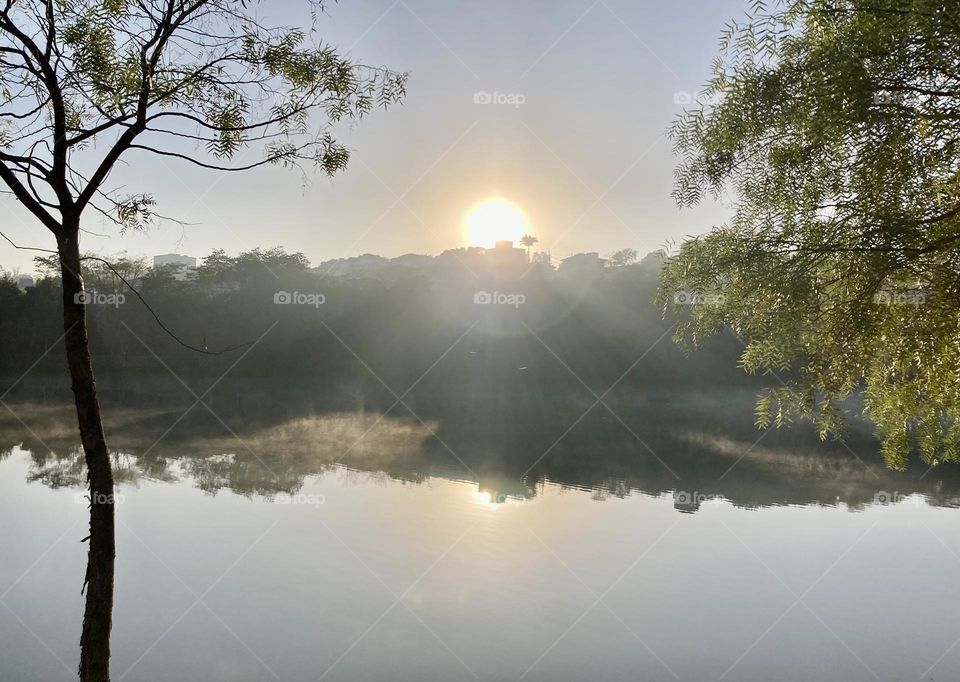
point(528, 240)
point(836, 126)
point(85, 83)
point(623, 257)
point(543, 259)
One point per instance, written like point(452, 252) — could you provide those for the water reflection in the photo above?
point(699, 448)
point(492, 525)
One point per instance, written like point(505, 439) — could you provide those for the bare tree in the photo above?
point(83, 83)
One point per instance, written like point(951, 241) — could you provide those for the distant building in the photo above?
point(583, 263)
point(25, 282)
point(505, 261)
point(185, 264)
point(175, 259)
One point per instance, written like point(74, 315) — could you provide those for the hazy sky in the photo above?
point(584, 154)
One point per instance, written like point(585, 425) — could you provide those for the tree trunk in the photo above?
point(98, 613)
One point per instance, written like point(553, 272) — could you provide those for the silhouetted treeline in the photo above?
point(476, 324)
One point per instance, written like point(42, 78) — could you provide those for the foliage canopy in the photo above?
point(85, 81)
point(836, 125)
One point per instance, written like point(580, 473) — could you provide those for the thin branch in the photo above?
point(159, 322)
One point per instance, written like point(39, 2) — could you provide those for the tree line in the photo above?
point(333, 327)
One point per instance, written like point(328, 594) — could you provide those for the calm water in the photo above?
point(292, 552)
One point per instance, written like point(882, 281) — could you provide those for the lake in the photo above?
point(664, 538)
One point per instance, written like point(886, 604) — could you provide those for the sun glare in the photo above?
point(494, 220)
point(486, 500)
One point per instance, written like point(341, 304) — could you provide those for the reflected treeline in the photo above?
point(696, 445)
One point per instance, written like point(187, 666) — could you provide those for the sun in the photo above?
point(494, 220)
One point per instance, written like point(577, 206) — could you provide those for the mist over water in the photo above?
point(350, 509)
point(476, 463)
point(697, 446)
point(511, 474)
point(312, 521)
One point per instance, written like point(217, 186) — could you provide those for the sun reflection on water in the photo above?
point(487, 499)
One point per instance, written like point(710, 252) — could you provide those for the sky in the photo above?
point(580, 95)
